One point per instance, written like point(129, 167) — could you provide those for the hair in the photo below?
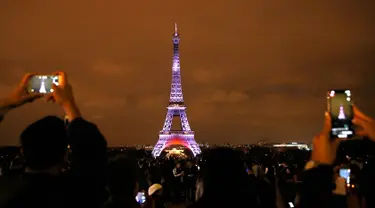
point(157, 193)
point(223, 173)
point(44, 143)
point(122, 176)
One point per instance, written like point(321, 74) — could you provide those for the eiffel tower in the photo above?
point(341, 113)
point(176, 110)
point(42, 85)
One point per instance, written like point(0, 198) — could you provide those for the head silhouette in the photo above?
point(122, 176)
point(224, 173)
point(44, 143)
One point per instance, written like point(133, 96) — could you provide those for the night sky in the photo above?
point(251, 70)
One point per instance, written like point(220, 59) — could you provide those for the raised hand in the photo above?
point(324, 148)
point(20, 96)
point(62, 93)
point(365, 125)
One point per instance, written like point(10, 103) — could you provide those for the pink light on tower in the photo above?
point(341, 113)
point(176, 109)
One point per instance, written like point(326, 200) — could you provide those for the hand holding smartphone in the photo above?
point(340, 107)
point(42, 84)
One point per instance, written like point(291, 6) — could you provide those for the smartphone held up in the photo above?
point(42, 83)
point(345, 173)
point(141, 198)
point(340, 107)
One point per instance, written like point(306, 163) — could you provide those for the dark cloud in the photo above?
point(251, 69)
point(106, 102)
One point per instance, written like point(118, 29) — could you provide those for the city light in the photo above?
point(294, 144)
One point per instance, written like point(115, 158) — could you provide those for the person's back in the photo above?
point(43, 184)
point(253, 181)
point(155, 174)
point(39, 190)
point(225, 182)
point(266, 193)
point(270, 173)
point(37, 183)
point(122, 183)
point(44, 147)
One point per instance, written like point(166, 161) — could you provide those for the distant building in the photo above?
point(297, 145)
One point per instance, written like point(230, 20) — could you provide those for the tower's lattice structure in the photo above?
point(341, 113)
point(176, 109)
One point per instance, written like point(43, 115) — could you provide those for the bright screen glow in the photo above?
point(42, 83)
point(341, 113)
point(345, 173)
point(140, 198)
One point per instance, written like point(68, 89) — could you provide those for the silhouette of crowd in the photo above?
point(67, 165)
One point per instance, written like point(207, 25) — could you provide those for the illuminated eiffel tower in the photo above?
point(341, 113)
point(42, 86)
point(176, 109)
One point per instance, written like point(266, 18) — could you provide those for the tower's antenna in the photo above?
point(175, 29)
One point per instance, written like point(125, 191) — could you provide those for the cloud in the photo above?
point(105, 102)
point(97, 117)
point(222, 96)
point(151, 101)
point(205, 76)
point(214, 107)
point(111, 69)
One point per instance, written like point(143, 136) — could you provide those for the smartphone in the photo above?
point(340, 107)
point(141, 198)
point(345, 173)
point(42, 83)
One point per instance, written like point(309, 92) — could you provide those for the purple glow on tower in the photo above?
point(176, 108)
point(341, 113)
point(176, 88)
point(175, 29)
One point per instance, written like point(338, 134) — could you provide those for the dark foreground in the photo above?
point(8, 185)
